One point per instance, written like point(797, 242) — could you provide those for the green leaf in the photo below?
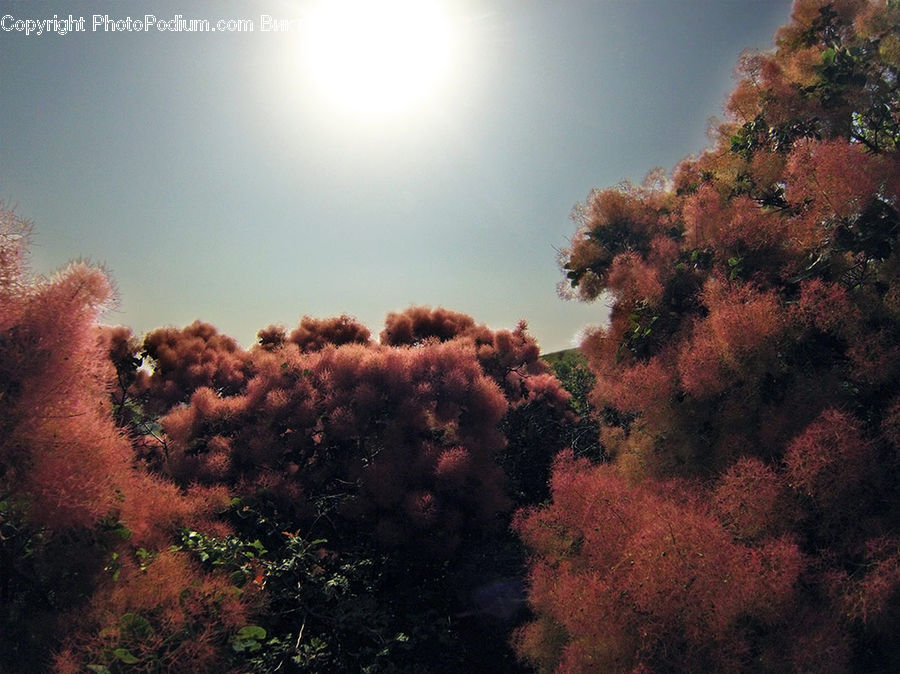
point(136, 625)
point(124, 655)
point(99, 669)
point(251, 632)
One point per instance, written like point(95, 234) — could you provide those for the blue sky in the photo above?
point(214, 181)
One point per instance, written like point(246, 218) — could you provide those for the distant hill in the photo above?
point(570, 357)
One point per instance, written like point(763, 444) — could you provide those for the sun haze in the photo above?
point(371, 60)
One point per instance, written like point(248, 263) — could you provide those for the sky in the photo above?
point(250, 177)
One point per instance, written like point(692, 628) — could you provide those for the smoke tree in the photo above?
point(403, 439)
point(750, 369)
point(82, 531)
point(540, 415)
point(400, 456)
point(185, 360)
point(400, 438)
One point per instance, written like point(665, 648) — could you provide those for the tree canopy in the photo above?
point(751, 365)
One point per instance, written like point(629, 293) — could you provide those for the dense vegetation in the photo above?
point(711, 486)
point(748, 519)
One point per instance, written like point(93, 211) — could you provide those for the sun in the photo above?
point(373, 59)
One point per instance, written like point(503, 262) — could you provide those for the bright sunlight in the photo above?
point(377, 59)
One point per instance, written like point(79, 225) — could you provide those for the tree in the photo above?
point(75, 514)
point(396, 456)
point(403, 439)
point(188, 359)
point(540, 419)
point(628, 576)
point(751, 356)
point(315, 333)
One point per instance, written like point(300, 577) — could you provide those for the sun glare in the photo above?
point(373, 59)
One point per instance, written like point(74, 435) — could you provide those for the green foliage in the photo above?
point(580, 435)
point(322, 612)
point(757, 135)
point(347, 606)
point(873, 233)
point(42, 577)
point(571, 368)
point(536, 431)
point(641, 339)
point(238, 557)
point(248, 639)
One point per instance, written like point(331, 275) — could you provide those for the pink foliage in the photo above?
point(871, 595)
point(357, 414)
point(632, 279)
point(62, 447)
point(419, 324)
point(875, 360)
point(750, 500)
point(169, 615)
point(830, 460)
point(732, 225)
point(829, 308)
point(508, 357)
point(754, 305)
point(737, 338)
point(193, 357)
point(57, 428)
point(645, 387)
point(453, 467)
point(636, 574)
point(314, 334)
point(836, 179)
point(68, 472)
point(271, 337)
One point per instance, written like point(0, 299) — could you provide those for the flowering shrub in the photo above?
point(751, 356)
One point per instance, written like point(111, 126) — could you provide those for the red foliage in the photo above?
point(835, 179)
point(643, 387)
point(617, 229)
point(168, 615)
point(831, 460)
point(193, 357)
point(751, 500)
point(729, 226)
point(871, 597)
point(314, 334)
point(737, 340)
point(271, 337)
point(66, 470)
point(416, 325)
point(875, 360)
point(372, 425)
point(61, 451)
point(632, 279)
point(120, 344)
point(828, 307)
point(403, 438)
point(57, 428)
point(752, 345)
point(509, 357)
point(635, 575)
